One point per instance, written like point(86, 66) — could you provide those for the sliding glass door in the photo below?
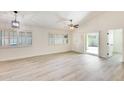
point(92, 40)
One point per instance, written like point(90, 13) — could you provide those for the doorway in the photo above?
point(92, 43)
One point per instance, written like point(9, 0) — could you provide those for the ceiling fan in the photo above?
point(72, 26)
point(65, 21)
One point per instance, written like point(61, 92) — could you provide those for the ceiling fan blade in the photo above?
point(76, 25)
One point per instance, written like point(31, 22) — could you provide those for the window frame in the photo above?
point(53, 39)
point(10, 39)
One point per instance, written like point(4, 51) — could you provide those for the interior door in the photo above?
point(110, 43)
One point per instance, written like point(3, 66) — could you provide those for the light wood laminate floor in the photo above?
point(63, 66)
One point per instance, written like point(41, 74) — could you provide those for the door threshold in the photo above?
point(92, 54)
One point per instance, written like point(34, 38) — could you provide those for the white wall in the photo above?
point(102, 23)
point(77, 43)
point(117, 33)
point(39, 44)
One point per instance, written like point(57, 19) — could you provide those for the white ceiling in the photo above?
point(49, 19)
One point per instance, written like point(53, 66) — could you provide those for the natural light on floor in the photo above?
point(92, 50)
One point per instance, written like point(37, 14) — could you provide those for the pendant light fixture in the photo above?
point(15, 23)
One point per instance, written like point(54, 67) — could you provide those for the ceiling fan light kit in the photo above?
point(71, 28)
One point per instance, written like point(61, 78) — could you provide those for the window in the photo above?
point(51, 39)
point(3, 35)
point(25, 39)
point(19, 39)
point(6, 38)
point(22, 39)
point(29, 38)
point(58, 39)
point(13, 39)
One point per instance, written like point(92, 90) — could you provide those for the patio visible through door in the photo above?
point(92, 40)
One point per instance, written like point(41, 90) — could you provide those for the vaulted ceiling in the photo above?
point(49, 19)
